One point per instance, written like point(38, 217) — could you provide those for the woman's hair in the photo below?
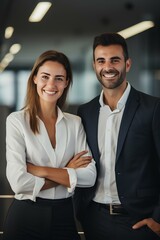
point(32, 103)
point(107, 39)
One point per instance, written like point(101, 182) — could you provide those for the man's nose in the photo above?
point(107, 64)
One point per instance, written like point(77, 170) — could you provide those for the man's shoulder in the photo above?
point(142, 96)
point(93, 102)
point(89, 109)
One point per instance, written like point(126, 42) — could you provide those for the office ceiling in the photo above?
point(69, 25)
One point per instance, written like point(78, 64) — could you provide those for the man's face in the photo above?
point(110, 65)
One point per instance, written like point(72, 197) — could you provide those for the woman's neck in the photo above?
point(48, 112)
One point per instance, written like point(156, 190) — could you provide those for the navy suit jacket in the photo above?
point(137, 167)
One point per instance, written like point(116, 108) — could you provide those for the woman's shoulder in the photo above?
point(73, 122)
point(17, 115)
point(71, 116)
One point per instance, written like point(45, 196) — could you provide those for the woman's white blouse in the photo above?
point(22, 146)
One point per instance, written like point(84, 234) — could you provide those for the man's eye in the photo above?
point(59, 79)
point(101, 61)
point(115, 61)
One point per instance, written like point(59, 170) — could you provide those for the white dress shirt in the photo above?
point(22, 146)
point(108, 130)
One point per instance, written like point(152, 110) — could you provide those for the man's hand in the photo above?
point(153, 225)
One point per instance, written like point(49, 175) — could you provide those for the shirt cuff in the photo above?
point(39, 182)
point(72, 179)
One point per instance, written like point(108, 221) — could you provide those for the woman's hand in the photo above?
point(79, 160)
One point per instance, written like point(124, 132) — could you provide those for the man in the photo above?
point(123, 132)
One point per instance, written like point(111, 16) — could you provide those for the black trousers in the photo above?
point(41, 220)
point(98, 224)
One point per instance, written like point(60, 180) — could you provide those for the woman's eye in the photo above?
point(45, 77)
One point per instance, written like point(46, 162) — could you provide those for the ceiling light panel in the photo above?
point(9, 32)
point(137, 28)
point(39, 11)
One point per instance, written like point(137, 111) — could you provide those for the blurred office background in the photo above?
point(70, 26)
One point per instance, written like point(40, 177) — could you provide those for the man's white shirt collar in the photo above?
point(122, 100)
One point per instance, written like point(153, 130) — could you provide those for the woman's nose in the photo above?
point(52, 82)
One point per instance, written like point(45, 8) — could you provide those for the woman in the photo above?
point(47, 156)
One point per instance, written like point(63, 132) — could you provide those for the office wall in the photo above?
point(6, 194)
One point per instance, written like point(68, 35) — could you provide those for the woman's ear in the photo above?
point(35, 80)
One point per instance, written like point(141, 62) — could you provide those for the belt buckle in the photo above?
point(111, 210)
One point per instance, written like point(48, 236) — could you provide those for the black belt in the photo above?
point(114, 209)
point(50, 202)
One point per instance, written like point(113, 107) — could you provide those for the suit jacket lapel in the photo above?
point(129, 112)
point(94, 130)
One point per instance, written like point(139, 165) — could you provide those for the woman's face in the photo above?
point(51, 81)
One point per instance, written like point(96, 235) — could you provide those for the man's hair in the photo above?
point(107, 39)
